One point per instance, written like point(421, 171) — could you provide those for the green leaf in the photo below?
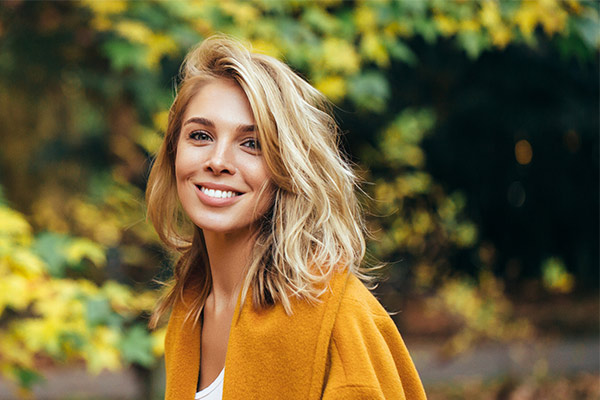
point(83, 248)
point(98, 311)
point(589, 30)
point(320, 20)
point(27, 377)
point(136, 346)
point(369, 91)
point(123, 54)
point(427, 28)
point(473, 43)
point(402, 52)
point(51, 248)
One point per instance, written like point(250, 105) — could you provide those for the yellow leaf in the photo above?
point(575, 6)
point(334, 87)
point(149, 139)
point(365, 18)
point(203, 26)
point(161, 120)
point(338, 55)
point(413, 155)
point(396, 28)
point(553, 19)
point(555, 276)
point(120, 296)
point(490, 14)
point(13, 351)
point(14, 293)
point(469, 25)
point(242, 13)
point(82, 248)
point(158, 341)
point(422, 222)
point(14, 225)
point(159, 45)
point(448, 26)
point(466, 234)
point(25, 263)
point(102, 351)
point(106, 7)
point(384, 192)
point(265, 47)
point(374, 50)
point(134, 31)
point(501, 36)
point(145, 301)
point(526, 18)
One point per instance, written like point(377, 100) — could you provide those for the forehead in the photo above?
point(222, 100)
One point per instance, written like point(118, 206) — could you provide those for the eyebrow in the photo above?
point(209, 123)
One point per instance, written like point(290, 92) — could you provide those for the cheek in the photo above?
point(183, 164)
point(260, 173)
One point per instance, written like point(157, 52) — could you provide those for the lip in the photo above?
point(212, 201)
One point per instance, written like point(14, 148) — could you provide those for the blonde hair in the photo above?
point(314, 226)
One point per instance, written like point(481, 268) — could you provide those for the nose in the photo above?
point(220, 160)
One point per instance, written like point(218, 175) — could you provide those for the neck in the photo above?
point(228, 254)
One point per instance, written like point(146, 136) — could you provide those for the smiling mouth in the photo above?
point(218, 194)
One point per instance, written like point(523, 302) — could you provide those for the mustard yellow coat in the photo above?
point(345, 347)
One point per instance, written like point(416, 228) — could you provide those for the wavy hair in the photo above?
point(314, 226)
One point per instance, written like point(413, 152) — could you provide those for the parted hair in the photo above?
point(314, 226)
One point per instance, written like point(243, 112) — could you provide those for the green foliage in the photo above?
point(369, 91)
point(136, 346)
point(60, 251)
point(555, 276)
point(45, 314)
point(27, 378)
point(482, 309)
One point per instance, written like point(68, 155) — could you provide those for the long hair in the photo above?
point(314, 226)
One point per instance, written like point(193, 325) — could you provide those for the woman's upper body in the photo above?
point(250, 187)
point(343, 347)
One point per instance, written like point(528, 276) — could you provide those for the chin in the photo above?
point(220, 226)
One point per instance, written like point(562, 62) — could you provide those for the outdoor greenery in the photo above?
point(459, 115)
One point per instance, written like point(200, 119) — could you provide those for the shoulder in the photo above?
point(366, 352)
point(357, 298)
point(361, 316)
point(359, 311)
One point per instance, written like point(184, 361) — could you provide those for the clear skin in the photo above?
point(217, 149)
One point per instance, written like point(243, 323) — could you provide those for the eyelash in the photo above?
point(199, 135)
point(254, 141)
point(202, 136)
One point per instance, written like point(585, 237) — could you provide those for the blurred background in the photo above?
point(474, 125)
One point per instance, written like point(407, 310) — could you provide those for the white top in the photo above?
point(214, 391)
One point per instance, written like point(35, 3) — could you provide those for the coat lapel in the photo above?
point(182, 353)
point(269, 354)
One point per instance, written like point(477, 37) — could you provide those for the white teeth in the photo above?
point(218, 194)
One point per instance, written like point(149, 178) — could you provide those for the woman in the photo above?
point(267, 300)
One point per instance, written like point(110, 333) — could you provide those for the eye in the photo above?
point(200, 136)
point(251, 144)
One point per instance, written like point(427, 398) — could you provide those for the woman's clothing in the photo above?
point(214, 391)
point(344, 347)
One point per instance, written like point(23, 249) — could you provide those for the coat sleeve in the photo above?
point(367, 358)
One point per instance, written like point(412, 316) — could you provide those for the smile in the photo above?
point(218, 194)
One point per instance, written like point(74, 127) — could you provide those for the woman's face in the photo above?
point(220, 171)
